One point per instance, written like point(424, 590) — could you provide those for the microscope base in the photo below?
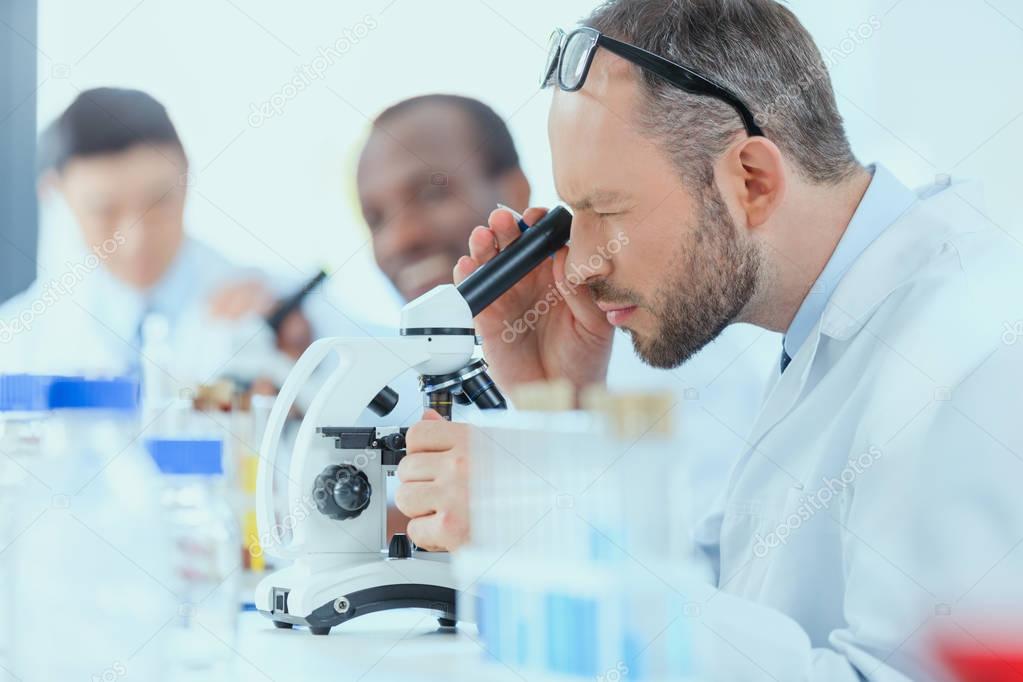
point(294, 596)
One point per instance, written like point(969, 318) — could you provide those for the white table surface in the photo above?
point(395, 645)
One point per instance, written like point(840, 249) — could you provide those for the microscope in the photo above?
point(332, 523)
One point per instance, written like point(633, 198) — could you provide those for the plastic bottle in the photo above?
point(205, 556)
point(159, 389)
point(24, 408)
point(91, 585)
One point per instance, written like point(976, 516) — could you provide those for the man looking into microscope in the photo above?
point(891, 303)
point(435, 166)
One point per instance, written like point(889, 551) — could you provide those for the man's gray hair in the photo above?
point(761, 52)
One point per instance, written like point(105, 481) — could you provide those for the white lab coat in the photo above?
point(879, 497)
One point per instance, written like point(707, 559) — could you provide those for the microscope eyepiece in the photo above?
point(504, 270)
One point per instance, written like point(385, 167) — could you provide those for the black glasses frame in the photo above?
point(682, 77)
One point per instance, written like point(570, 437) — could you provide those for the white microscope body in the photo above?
point(335, 512)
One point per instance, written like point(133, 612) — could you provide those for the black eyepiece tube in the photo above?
point(504, 270)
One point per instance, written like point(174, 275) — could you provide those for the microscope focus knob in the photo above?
point(342, 492)
point(400, 547)
point(393, 441)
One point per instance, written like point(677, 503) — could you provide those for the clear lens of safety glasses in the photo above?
point(553, 50)
point(575, 58)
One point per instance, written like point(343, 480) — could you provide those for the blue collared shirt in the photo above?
point(885, 200)
point(91, 319)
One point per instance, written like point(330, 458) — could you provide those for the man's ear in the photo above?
point(756, 172)
point(513, 189)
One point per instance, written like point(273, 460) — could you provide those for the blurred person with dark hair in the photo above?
point(115, 161)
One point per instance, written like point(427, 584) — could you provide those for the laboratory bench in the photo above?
point(386, 646)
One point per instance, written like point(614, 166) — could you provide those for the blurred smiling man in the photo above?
point(432, 166)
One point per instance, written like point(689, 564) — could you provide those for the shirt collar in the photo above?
point(171, 291)
point(121, 307)
point(885, 200)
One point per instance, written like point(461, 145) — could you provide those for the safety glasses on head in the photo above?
point(569, 56)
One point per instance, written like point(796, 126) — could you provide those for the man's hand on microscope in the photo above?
point(545, 327)
point(434, 475)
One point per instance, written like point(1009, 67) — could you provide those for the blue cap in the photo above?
point(25, 392)
point(120, 393)
point(187, 455)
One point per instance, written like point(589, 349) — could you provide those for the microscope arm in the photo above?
point(364, 366)
point(300, 374)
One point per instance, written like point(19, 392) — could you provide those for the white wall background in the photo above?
point(927, 86)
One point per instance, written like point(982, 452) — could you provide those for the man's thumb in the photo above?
point(430, 414)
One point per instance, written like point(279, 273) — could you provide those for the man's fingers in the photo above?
point(577, 296)
point(417, 498)
point(486, 242)
point(504, 226)
point(294, 335)
point(417, 467)
point(426, 533)
point(241, 298)
point(463, 268)
point(434, 436)
point(534, 214)
point(222, 303)
point(482, 244)
point(440, 531)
